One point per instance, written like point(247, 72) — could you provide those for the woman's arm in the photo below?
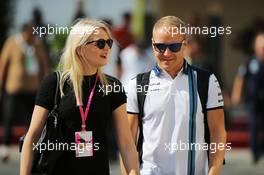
point(37, 123)
point(133, 122)
point(125, 141)
point(4, 64)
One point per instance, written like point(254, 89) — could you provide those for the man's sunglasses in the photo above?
point(100, 43)
point(162, 47)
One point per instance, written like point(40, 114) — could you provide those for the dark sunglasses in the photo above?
point(100, 43)
point(162, 47)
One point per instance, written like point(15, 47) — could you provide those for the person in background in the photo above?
point(23, 65)
point(122, 34)
point(124, 38)
point(251, 76)
point(136, 58)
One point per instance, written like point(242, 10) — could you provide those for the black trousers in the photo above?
point(17, 109)
point(256, 130)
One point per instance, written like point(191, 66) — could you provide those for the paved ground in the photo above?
point(238, 163)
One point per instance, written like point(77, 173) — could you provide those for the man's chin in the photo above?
point(166, 65)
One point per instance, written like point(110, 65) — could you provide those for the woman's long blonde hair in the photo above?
point(70, 66)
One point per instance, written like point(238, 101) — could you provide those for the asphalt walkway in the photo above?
point(239, 162)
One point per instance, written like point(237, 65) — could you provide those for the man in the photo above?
point(123, 34)
point(166, 119)
point(136, 58)
point(252, 75)
point(124, 38)
point(23, 64)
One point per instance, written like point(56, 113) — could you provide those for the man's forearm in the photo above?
point(216, 156)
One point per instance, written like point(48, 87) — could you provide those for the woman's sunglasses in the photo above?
point(162, 47)
point(100, 43)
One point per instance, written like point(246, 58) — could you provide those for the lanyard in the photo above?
point(83, 114)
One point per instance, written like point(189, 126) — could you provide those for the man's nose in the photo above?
point(167, 52)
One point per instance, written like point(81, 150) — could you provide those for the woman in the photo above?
point(82, 82)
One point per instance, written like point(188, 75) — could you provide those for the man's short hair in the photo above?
point(168, 21)
point(259, 34)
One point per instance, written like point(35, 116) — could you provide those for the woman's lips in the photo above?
point(103, 56)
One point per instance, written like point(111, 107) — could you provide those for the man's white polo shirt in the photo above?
point(166, 123)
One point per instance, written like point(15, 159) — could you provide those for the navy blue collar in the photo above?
point(157, 70)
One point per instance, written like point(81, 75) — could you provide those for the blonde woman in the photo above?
point(85, 106)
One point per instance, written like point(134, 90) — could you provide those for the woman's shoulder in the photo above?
point(50, 79)
point(111, 79)
point(46, 92)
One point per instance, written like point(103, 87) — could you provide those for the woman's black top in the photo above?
point(98, 118)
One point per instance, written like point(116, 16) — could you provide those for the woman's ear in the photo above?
point(78, 52)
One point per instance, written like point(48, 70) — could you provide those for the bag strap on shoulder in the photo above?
point(142, 82)
point(203, 86)
point(56, 96)
point(54, 113)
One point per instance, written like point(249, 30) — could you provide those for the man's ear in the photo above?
point(78, 52)
point(152, 41)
